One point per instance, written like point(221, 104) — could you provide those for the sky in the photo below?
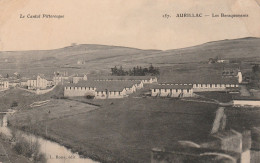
point(130, 23)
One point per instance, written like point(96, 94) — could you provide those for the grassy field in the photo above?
point(23, 98)
point(121, 130)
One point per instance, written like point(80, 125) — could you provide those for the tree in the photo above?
point(255, 68)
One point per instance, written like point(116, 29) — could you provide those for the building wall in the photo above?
point(101, 95)
point(59, 79)
point(117, 94)
point(84, 91)
point(76, 79)
point(246, 103)
point(39, 83)
point(24, 84)
point(172, 92)
point(212, 87)
point(130, 90)
point(4, 85)
point(78, 91)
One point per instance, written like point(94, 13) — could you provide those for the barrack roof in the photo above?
point(105, 85)
point(203, 80)
point(171, 86)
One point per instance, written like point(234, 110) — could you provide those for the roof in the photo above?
point(124, 78)
point(211, 79)
point(105, 85)
point(169, 86)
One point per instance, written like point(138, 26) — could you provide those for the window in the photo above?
point(188, 90)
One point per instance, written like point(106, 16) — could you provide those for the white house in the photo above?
point(4, 84)
point(172, 90)
point(76, 79)
point(57, 79)
point(38, 83)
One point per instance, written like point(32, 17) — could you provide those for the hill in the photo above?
point(103, 57)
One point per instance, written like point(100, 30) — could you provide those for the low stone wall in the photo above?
point(252, 103)
point(40, 92)
point(78, 91)
point(173, 93)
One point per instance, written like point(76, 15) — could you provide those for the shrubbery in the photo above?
point(136, 71)
point(14, 104)
point(28, 148)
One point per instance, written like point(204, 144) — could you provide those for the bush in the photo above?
point(28, 148)
point(89, 97)
point(14, 104)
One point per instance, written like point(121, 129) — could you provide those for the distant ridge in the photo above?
point(103, 57)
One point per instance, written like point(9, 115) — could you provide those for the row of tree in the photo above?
point(135, 71)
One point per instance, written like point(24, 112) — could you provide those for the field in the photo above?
point(23, 98)
point(118, 130)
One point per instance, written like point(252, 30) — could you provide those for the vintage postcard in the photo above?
point(130, 81)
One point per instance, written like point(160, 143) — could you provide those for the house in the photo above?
point(4, 84)
point(38, 82)
point(76, 79)
point(172, 90)
point(60, 79)
point(14, 83)
point(23, 82)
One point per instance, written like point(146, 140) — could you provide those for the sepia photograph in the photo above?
point(130, 81)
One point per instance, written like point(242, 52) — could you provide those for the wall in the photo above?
point(252, 103)
point(78, 91)
point(172, 92)
point(120, 94)
point(100, 95)
point(39, 92)
point(4, 85)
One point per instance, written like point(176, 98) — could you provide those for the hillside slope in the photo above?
point(102, 57)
